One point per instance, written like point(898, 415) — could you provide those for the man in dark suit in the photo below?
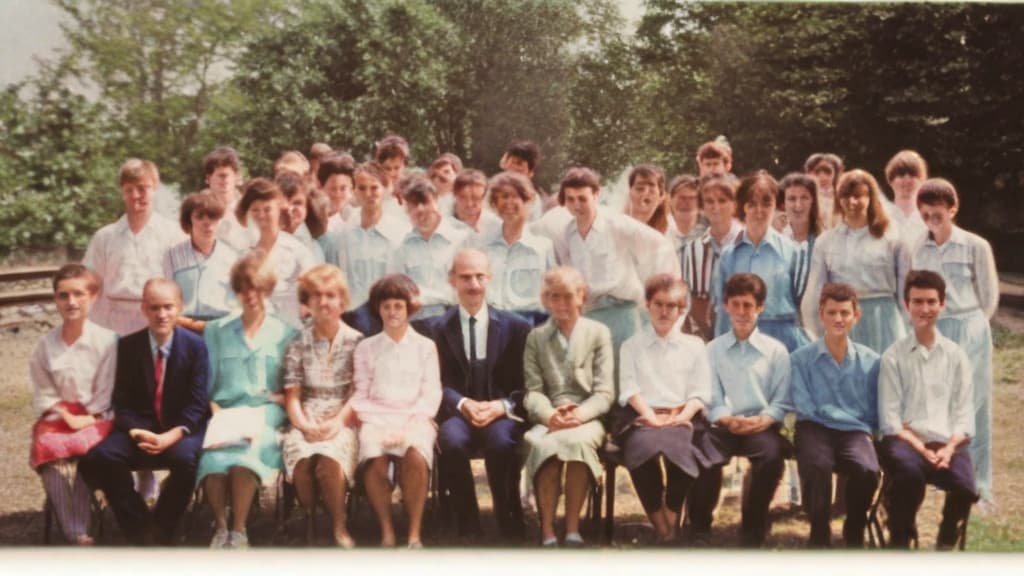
point(160, 412)
point(481, 355)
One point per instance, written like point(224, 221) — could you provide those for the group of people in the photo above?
point(301, 325)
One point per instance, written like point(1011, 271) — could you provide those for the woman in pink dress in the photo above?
point(398, 392)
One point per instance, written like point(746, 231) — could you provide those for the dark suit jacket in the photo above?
point(186, 381)
point(506, 340)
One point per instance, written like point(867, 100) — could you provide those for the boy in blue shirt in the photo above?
point(835, 392)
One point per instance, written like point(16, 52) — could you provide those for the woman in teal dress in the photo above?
point(246, 354)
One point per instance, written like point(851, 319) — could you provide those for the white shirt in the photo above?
point(126, 260)
point(667, 371)
point(289, 258)
point(931, 391)
point(363, 253)
point(427, 262)
point(872, 266)
point(82, 372)
point(483, 320)
point(616, 257)
point(232, 232)
point(552, 223)
point(965, 261)
point(749, 377)
point(517, 269)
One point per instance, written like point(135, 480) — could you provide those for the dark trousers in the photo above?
point(909, 473)
point(819, 452)
point(499, 442)
point(108, 466)
point(653, 490)
point(767, 452)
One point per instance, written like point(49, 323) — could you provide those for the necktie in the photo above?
point(158, 373)
point(472, 339)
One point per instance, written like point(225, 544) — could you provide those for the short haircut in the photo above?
point(394, 287)
point(372, 169)
point(924, 280)
point(318, 150)
point(135, 170)
point(819, 158)
point(256, 190)
point(799, 179)
point(416, 188)
point(446, 159)
point(578, 177)
point(200, 204)
point(292, 161)
point(683, 182)
point(74, 271)
point(760, 181)
point(253, 271)
point(157, 282)
point(391, 146)
point(878, 220)
point(659, 218)
point(468, 252)
point(664, 282)
point(335, 163)
point(937, 192)
point(526, 151)
point(469, 177)
point(224, 156)
point(746, 283)
point(906, 162)
point(323, 277)
point(714, 149)
point(563, 279)
point(316, 212)
point(838, 292)
point(724, 184)
point(513, 181)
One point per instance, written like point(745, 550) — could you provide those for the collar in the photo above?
point(651, 338)
point(756, 340)
point(166, 348)
point(600, 224)
point(482, 315)
point(821, 350)
point(772, 239)
point(957, 236)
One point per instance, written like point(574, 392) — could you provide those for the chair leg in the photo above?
point(609, 506)
point(962, 537)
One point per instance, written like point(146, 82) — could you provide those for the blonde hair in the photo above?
point(323, 277)
point(136, 170)
point(252, 271)
point(561, 280)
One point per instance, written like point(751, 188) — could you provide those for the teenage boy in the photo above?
point(750, 379)
point(468, 210)
point(223, 172)
point(426, 252)
point(615, 254)
point(335, 178)
point(714, 158)
point(442, 173)
point(926, 416)
point(835, 393)
point(523, 156)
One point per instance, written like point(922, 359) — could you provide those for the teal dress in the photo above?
point(245, 373)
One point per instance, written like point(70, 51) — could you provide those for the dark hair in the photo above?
point(316, 217)
point(255, 190)
point(75, 270)
point(578, 177)
point(818, 158)
point(514, 180)
point(469, 177)
point(798, 179)
point(714, 149)
point(745, 283)
point(924, 280)
point(394, 287)
point(683, 182)
point(335, 163)
point(391, 146)
point(659, 219)
point(220, 157)
point(664, 282)
point(725, 184)
point(906, 162)
point(446, 159)
point(200, 204)
point(525, 150)
point(937, 192)
point(749, 185)
point(838, 292)
point(878, 220)
point(416, 188)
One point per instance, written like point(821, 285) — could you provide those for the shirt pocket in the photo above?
point(524, 279)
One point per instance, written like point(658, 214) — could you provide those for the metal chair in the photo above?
point(878, 517)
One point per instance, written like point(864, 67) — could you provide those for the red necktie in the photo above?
point(158, 372)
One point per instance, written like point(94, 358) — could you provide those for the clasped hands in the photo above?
point(325, 428)
point(482, 413)
point(939, 458)
point(746, 425)
point(564, 417)
point(75, 421)
point(667, 419)
point(153, 443)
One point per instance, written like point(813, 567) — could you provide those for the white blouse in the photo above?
point(82, 372)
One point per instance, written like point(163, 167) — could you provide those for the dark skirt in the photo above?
point(690, 449)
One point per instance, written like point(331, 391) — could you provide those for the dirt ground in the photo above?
point(21, 494)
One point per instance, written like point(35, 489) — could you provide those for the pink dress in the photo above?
point(398, 389)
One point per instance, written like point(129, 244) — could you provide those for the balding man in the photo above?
point(160, 411)
point(481, 355)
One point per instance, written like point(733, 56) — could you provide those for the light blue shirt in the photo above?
point(427, 261)
point(363, 253)
point(302, 234)
point(749, 377)
point(841, 397)
point(965, 261)
point(774, 260)
point(205, 281)
point(516, 269)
